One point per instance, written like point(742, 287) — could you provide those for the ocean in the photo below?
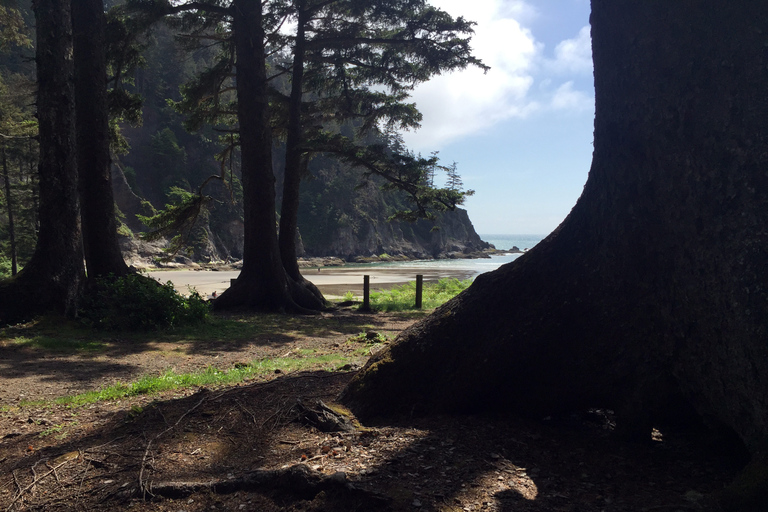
point(506, 242)
point(472, 267)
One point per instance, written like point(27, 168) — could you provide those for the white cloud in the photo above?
point(574, 55)
point(469, 101)
point(566, 98)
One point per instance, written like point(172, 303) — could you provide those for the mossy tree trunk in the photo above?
point(651, 297)
point(53, 277)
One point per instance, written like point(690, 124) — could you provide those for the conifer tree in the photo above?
point(340, 51)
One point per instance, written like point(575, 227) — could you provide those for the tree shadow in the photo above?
point(435, 463)
point(58, 351)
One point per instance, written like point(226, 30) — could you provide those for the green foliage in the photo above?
point(13, 30)
point(369, 338)
point(5, 266)
point(177, 220)
point(136, 302)
point(403, 297)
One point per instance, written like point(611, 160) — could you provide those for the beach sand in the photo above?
point(332, 281)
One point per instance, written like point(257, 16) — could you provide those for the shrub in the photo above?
point(135, 302)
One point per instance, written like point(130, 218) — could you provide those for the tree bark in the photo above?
point(650, 298)
point(294, 167)
point(263, 283)
point(100, 243)
point(52, 278)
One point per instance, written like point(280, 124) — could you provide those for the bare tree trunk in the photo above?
point(53, 277)
point(294, 168)
point(102, 251)
point(263, 283)
point(650, 298)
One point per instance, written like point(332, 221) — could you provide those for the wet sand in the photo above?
point(332, 281)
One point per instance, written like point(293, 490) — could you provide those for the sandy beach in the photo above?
point(332, 281)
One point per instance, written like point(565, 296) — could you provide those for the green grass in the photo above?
point(59, 344)
point(402, 298)
point(170, 380)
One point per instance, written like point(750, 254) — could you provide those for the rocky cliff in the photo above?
point(451, 235)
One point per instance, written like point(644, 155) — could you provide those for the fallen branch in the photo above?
point(35, 481)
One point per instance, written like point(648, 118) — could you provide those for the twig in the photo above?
point(34, 482)
point(142, 486)
point(16, 480)
point(245, 410)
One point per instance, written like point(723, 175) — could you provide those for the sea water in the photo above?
point(472, 267)
point(507, 242)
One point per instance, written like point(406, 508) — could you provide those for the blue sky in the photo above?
point(522, 133)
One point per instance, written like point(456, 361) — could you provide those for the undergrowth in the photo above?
point(138, 303)
point(401, 298)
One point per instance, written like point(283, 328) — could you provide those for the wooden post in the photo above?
point(419, 289)
point(366, 293)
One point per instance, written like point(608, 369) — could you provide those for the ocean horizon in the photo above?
point(507, 242)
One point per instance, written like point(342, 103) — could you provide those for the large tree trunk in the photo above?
point(52, 278)
point(651, 297)
point(295, 166)
point(102, 251)
point(263, 283)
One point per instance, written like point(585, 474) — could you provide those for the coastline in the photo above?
point(335, 277)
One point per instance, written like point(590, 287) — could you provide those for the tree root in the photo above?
point(299, 480)
point(322, 417)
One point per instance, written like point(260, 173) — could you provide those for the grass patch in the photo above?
point(170, 380)
point(402, 298)
point(57, 344)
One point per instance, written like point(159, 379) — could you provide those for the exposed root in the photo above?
point(299, 480)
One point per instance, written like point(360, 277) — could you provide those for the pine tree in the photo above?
point(337, 62)
point(53, 277)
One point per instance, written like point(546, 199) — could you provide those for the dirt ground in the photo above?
point(249, 447)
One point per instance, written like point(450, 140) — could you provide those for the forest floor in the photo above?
point(243, 448)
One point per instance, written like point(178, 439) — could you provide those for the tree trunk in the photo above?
point(295, 167)
point(650, 298)
point(102, 251)
point(263, 283)
point(52, 278)
point(11, 227)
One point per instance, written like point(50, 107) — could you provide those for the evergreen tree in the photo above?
point(344, 53)
point(53, 277)
point(102, 251)
point(389, 51)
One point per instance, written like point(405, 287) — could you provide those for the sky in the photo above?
point(522, 133)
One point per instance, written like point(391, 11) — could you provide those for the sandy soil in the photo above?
point(332, 281)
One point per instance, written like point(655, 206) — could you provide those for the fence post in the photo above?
point(366, 293)
point(419, 289)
